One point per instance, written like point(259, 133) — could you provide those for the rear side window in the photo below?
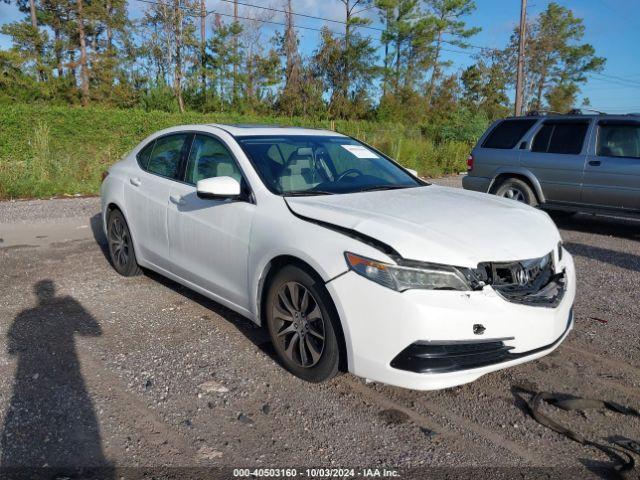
point(144, 155)
point(508, 133)
point(619, 140)
point(166, 155)
point(560, 137)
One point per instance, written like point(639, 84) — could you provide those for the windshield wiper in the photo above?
point(306, 193)
point(383, 187)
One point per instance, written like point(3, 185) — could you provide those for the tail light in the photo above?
point(469, 163)
point(105, 174)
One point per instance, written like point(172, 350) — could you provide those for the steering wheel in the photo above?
point(348, 172)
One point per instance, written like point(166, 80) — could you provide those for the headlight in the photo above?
point(398, 277)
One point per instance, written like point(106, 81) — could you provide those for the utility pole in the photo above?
point(203, 44)
point(235, 52)
point(521, 45)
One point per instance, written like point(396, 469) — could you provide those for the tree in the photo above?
point(287, 46)
point(346, 64)
point(221, 52)
point(449, 28)
point(556, 63)
point(171, 44)
point(485, 85)
point(407, 38)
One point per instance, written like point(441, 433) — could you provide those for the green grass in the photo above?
point(47, 150)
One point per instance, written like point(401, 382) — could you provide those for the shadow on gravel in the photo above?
point(50, 422)
point(625, 260)
point(98, 234)
point(253, 332)
point(616, 227)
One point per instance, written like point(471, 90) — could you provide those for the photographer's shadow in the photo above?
point(51, 421)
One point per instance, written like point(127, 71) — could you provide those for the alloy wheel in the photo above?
point(299, 323)
point(514, 194)
point(119, 243)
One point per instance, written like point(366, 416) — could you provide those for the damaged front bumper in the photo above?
point(381, 324)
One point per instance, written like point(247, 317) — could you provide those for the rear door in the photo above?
point(148, 193)
point(612, 172)
point(556, 157)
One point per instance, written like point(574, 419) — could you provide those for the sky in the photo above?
point(612, 27)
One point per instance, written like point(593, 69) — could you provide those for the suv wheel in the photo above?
point(302, 325)
point(517, 190)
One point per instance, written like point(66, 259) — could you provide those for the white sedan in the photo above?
point(350, 261)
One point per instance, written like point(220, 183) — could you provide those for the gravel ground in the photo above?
point(98, 370)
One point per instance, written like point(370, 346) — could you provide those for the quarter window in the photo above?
point(619, 140)
point(165, 159)
point(144, 155)
point(560, 137)
point(210, 158)
point(507, 134)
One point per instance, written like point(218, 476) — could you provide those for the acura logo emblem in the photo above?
point(521, 276)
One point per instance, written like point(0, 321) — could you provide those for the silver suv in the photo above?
point(570, 163)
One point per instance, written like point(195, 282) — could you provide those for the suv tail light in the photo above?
point(469, 163)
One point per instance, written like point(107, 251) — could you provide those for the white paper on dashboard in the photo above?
point(359, 151)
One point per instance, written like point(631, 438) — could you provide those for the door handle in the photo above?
point(176, 199)
point(135, 181)
point(595, 163)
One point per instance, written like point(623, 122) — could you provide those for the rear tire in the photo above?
point(517, 190)
point(302, 323)
point(121, 252)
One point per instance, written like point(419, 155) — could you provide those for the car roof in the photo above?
point(247, 129)
point(602, 116)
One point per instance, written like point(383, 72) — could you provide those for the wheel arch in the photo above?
point(521, 174)
point(271, 268)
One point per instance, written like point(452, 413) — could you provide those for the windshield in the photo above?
point(317, 165)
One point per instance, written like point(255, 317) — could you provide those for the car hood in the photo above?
point(438, 224)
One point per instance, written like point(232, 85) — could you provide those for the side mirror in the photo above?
point(218, 188)
point(412, 171)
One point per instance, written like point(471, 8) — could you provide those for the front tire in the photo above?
point(121, 252)
point(302, 324)
point(518, 190)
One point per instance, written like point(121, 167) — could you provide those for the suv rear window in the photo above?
point(507, 133)
point(560, 137)
point(619, 140)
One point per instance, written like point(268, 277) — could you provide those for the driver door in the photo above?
point(209, 238)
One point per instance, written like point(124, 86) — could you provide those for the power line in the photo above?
point(324, 19)
point(268, 21)
point(342, 22)
point(620, 79)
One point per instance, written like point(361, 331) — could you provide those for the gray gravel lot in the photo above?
point(140, 372)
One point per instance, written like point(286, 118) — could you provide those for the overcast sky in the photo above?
point(612, 27)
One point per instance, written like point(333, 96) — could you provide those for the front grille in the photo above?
point(528, 282)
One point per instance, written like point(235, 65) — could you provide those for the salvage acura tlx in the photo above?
point(349, 260)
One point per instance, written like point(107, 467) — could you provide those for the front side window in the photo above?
point(560, 137)
point(619, 140)
point(166, 155)
point(507, 134)
point(317, 164)
point(210, 158)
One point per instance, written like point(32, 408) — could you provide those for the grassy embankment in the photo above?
point(47, 151)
